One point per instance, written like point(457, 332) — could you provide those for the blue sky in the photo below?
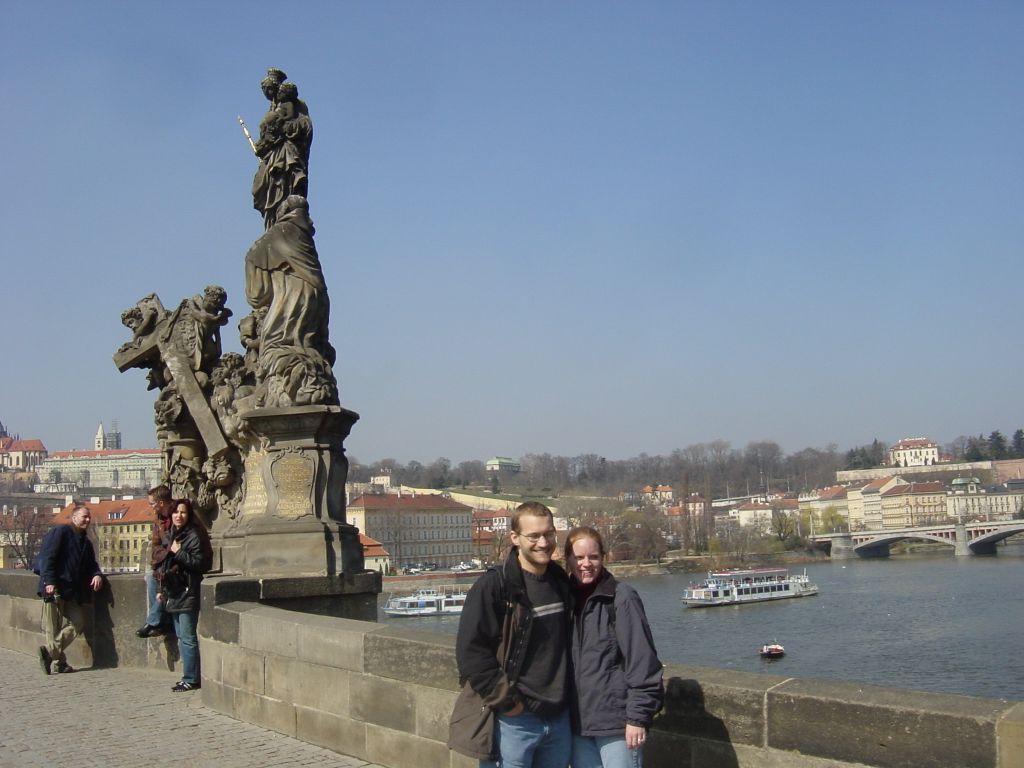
point(568, 227)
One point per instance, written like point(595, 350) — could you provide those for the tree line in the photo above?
point(714, 469)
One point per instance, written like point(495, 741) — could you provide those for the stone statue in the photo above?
point(286, 133)
point(256, 440)
point(284, 281)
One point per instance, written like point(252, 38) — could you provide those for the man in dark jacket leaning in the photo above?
point(512, 651)
point(67, 571)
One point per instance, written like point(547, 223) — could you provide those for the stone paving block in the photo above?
point(243, 669)
point(398, 749)
point(331, 731)
point(383, 702)
point(117, 714)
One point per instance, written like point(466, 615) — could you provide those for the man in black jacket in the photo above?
point(512, 648)
point(67, 571)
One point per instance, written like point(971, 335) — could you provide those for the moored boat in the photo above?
point(748, 586)
point(427, 602)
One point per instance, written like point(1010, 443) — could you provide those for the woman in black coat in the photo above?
point(180, 575)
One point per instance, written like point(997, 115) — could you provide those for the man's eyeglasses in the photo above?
point(533, 538)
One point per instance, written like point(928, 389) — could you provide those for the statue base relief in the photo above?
point(291, 521)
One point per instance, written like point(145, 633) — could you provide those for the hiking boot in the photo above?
point(44, 659)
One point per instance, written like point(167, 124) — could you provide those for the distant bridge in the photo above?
point(965, 538)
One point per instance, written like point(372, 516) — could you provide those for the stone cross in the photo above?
point(156, 347)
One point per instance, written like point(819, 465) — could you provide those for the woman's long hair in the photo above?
point(194, 521)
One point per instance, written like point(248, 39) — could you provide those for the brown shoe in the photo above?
point(44, 659)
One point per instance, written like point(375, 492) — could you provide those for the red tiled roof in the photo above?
point(425, 501)
point(835, 492)
point(907, 488)
point(27, 445)
point(135, 511)
point(372, 547)
point(875, 485)
point(5, 442)
point(914, 442)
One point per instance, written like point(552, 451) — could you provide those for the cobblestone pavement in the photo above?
point(129, 718)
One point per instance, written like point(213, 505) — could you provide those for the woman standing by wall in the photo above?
point(181, 573)
point(616, 671)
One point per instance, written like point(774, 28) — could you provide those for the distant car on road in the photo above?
point(463, 567)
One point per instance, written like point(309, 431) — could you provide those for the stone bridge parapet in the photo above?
point(382, 692)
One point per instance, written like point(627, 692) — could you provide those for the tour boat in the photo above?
point(750, 586)
point(772, 651)
point(427, 602)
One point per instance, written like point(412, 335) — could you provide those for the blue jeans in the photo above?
point(532, 741)
point(188, 642)
point(156, 617)
point(604, 752)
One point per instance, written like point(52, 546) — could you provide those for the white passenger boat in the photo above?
point(427, 602)
point(751, 586)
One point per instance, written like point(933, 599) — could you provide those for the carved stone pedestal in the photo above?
point(292, 517)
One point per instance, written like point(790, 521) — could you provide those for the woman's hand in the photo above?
point(635, 736)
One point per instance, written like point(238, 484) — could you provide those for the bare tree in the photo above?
point(22, 531)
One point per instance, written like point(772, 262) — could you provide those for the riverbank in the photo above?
point(705, 563)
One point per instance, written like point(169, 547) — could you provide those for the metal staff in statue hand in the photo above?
point(248, 136)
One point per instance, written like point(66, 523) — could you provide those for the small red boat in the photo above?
point(772, 651)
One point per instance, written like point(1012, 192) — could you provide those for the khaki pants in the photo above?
point(63, 621)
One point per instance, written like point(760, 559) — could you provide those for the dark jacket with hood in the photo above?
point(491, 648)
point(181, 572)
point(616, 672)
point(68, 561)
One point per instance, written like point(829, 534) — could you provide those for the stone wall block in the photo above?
point(273, 714)
point(382, 702)
point(219, 697)
point(433, 709)
point(330, 731)
point(883, 727)
point(397, 749)
point(1010, 735)
point(222, 622)
point(213, 654)
point(716, 704)
point(244, 669)
point(425, 658)
point(26, 614)
point(665, 749)
point(308, 685)
point(461, 761)
point(271, 630)
point(334, 642)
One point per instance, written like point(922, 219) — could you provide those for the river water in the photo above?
point(929, 622)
